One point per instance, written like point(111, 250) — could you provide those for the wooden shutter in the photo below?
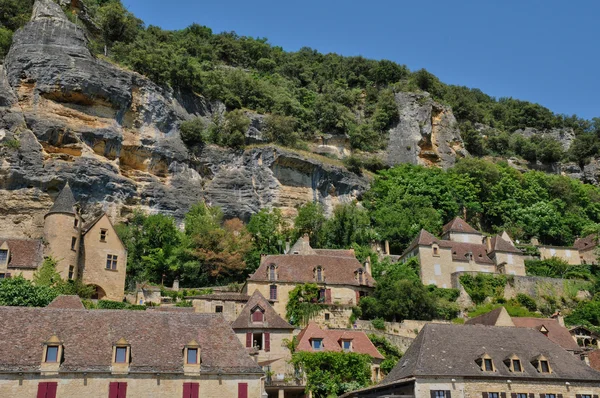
point(242, 390)
point(513, 395)
point(122, 390)
point(42, 388)
point(560, 396)
point(432, 393)
point(267, 342)
point(531, 395)
point(484, 395)
point(448, 394)
point(502, 395)
point(191, 390)
point(248, 339)
point(328, 296)
point(113, 390)
point(577, 395)
point(595, 396)
point(51, 389)
point(357, 297)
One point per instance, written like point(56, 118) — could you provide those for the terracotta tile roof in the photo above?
point(302, 246)
point(64, 203)
point(460, 250)
point(24, 253)
point(67, 302)
point(451, 350)
point(487, 319)
point(594, 358)
point(169, 308)
point(459, 225)
point(272, 320)
point(501, 245)
point(556, 332)
point(586, 243)
point(332, 340)
point(298, 268)
point(156, 338)
point(335, 252)
point(222, 296)
point(424, 238)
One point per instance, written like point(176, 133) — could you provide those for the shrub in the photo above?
point(184, 303)
point(527, 302)
point(481, 286)
point(192, 131)
point(111, 305)
point(378, 323)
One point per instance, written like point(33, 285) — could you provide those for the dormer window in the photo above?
point(513, 363)
point(516, 365)
point(272, 272)
point(103, 233)
point(258, 314)
point(542, 364)
point(544, 330)
point(121, 355)
point(436, 250)
point(52, 355)
point(316, 344)
point(191, 357)
point(3, 256)
point(486, 363)
point(347, 345)
point(319, 274)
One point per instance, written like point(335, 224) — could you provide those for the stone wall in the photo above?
point(407, 328)
point(149, 385)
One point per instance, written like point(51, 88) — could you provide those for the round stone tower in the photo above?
point(62, 234)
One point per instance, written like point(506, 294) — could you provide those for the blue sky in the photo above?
point(544, 51)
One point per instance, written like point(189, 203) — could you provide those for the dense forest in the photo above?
point(305, 92)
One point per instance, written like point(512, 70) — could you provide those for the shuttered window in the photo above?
point(248, 340)
point(117, 390)
point(242, 390)
point(191, 390)
point(267, 342)
point(328, 296)
point(47, 390)
point(257, 316)
point(273, 292)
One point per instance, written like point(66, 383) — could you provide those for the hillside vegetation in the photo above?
point(307, 92)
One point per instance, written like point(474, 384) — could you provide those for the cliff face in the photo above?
point(67, 116)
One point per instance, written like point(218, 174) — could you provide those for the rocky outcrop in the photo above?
point(564, 136)
point(426, 134)
point(113, 134)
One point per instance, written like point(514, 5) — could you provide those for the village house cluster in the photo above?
point(239, 344)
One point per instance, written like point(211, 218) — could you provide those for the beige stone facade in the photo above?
point(63, 239)
point(463, 249)
point(230, 305)
point(567, 254)
point(149, 385)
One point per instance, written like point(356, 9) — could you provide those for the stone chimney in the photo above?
point(176, 285)
point(387, 247)
point(558, 316)
point(368, 265)
point(287, 246)
point(535, 241)
point(488, 243)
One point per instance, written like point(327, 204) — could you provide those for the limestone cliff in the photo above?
point(113, 134)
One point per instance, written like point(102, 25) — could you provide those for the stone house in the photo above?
point(570, 255)
point(587, 249)
point(266, 334)
point(464, 361)
point(341, 277)
point(228, 304)
point(314, 339)
point(68, 352)
point(583, 251)
point(91, 252)
point(462, 248)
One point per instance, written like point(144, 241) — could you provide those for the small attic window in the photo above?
point(513, 363)
point(52, 353)
point(121, 354)
point(103, 233)
point(3, 256)
point(319, 274)
point(258, 314)
point(542, 364)
point(272, 272)
point(486, 363)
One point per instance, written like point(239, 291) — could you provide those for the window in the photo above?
point(71, 271)
point(549, 395)
point(111, 262)
point(103, 233)
point(242, 390)
point(117, 390)
point(51, 353)
point(516, 365)
point(121, 355)
point(191, 390)
point(3, 256)
point(47, 390)
point(440, 394)
point(521, 395)
point(319, 274)
point(493, 395)
point(544, 366)
point(347, 345)
point(272, 273)
point(488, 365)
point(327, 316)
point(257, 315)
point(273, 292)
point(584, 396)
point(317, 344)
point(75, 223)
point(73, 243)
point(219, 308)
point(192, 356)
point(2, 276)
point(257, 340)
point(360, 276)
point(436, 253)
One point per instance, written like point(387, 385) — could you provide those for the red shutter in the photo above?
point(42, 388)
point(51, 389)
point(357, 297)
point(122, 390)
point(195, 390)
point(328, 296)
point(242, 390)
point(113, 390)
point(267, 342)
point(248, 340)
point(187, 388)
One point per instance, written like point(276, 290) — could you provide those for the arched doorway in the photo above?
point(99, 293)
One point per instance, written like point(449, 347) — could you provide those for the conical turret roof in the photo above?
point(64, 203)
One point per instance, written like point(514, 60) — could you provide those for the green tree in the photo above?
point(310, 220)
point(270, 232)
point(20, 292)
point(117, 23)
point(349, 224)
point(192, 131)
point(282, 130)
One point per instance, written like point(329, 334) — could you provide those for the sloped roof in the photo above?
point(462, 345)
point(586, 243)
point(64, 203)
point(297, 268)
point(332, 340)
point(459, 225)
point(24, 253)
point(501, 245)
point(594, 358)
point(302, 246)
point(424, 238)
point(156, 340)
point(90, 224)
point(67, 302)
point(491, 318)
point(335, 252)
point(461, 249)
point(222, 296)
point(556, 332)
point(272, 320)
